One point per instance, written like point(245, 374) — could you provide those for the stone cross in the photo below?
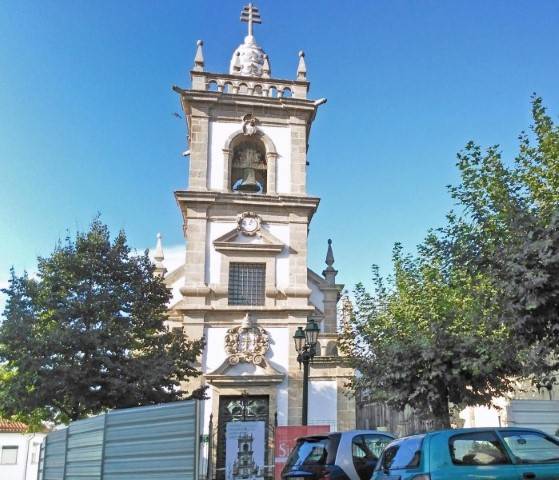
point(250, 15)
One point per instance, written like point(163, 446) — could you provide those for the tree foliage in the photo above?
point(511, 216)
point(478, 305)
point(428, 338)
point(88, 333)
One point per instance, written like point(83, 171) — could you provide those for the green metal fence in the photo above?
point(144, 443)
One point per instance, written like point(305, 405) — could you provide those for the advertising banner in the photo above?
point(244, 450)
point(285, 439)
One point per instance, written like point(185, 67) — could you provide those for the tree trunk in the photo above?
point(442, 412)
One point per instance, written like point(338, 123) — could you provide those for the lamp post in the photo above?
point(305, 344)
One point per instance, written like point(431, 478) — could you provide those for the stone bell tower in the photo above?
point(245, 285)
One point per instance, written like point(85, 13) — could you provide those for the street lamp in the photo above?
point(305, 344)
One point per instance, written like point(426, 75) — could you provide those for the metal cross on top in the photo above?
point(250, 15)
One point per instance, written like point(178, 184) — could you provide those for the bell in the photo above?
point(248, 183)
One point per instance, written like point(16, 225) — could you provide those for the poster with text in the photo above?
point(245, 445)
point(285, 440)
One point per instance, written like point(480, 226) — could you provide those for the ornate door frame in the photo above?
point(218, 454)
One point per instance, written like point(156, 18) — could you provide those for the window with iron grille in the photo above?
point(247, 283)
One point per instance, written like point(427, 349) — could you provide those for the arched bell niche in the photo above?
point(250, 163)
point(249, 167)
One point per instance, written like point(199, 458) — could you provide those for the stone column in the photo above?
point(198, 172)
point(346, 406)
point(195, 289)
point(298, 156)
point(298, 289)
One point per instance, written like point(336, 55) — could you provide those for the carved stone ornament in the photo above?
point(248, 223)
point(249, 122)
point(247, 343)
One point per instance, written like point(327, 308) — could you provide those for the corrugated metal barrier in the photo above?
point(144, 443)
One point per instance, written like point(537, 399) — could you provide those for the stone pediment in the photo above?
point(228, 373)
point(236, 241)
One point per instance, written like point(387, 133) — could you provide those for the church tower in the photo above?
point(245, 285)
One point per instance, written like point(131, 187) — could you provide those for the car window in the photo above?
point(477, 448)
point(388, 457)
point(358, 448)
point(532, 447)
point(376, 443)
point(404, 455)
point(309, 452)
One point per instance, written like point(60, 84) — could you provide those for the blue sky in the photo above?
point(86, 108)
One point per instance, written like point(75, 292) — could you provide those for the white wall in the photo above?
point(213, 258)
point(323, 403)
point(214, 354)
point(279, 359)
point(281, 232)
point(219, 132)
point(317, 296)
point(176, 295)
point(27, 456)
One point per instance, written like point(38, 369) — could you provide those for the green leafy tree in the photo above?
point(428, 337)
point(530, 282)
point(510, 223)
point(88, 333)
point(478, 306)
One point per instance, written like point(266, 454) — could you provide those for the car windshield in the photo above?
point(532, 447)
point(309, 451)
point(406, 454)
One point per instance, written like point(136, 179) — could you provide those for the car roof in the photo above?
point(458, 431)
point(455, 431)
point(320, 436)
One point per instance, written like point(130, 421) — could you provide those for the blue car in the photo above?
point(471, 453)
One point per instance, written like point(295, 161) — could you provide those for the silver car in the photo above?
point(336, 456)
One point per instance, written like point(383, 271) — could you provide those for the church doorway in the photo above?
point(241, 420)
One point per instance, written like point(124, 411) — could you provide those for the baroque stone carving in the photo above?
point(249, 223)
point(247, 343)
point(249, 124)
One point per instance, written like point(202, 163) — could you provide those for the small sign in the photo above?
point(244, 450)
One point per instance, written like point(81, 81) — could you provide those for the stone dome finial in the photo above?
point(266, 68)
point(302, 67)
point(199, 58)
point(159, 257)
point(329, 254)
point(251, 61)
point(330, 272)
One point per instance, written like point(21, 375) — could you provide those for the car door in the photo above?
point(535, 453)
point(365, 452)
point(401, 460)
point(477, 454)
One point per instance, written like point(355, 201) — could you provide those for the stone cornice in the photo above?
point(242, 380)
point(184, 307)
point(213, 98)
point(227, 247)
point(281, 202)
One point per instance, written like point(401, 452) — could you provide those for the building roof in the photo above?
point(9, 426)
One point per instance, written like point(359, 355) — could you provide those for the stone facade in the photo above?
point(224, 113)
